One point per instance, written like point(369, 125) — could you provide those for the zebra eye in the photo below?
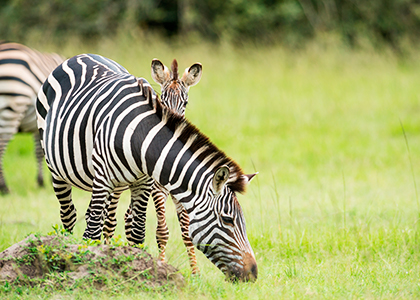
point(227, 220)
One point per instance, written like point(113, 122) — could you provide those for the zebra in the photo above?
point(22, 72)
point(174, 95)
point(102, 131)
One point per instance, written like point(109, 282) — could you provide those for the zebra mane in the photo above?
point(174, 67)
point(237, 180)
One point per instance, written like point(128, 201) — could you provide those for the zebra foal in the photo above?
point(101, 131)
point(22, 72)
point(174, 95)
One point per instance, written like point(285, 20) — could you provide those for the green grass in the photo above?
point(333, 212)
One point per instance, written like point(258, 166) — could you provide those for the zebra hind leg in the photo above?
point(140, 193)
point(111, 217)
point(128, 221)
point(97, 209)
point(68, 213)
point(159, 196)
point(39, 153)
point(4, 140)
point(184, 223)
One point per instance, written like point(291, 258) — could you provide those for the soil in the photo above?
point(37, 259)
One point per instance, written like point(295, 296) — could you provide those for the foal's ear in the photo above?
point(192, 75)
point(160, 73)
point(220, 178)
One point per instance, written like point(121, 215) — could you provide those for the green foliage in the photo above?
point(290, 22)
point(59, 230)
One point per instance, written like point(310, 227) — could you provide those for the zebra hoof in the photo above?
point(4, 190)
point(40, 182)
point(162, 256)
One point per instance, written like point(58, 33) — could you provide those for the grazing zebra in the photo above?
point(22, 72)
point(174, 95)
point(102, 131)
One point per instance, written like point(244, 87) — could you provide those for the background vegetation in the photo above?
point(332, 126)
point(291, 22)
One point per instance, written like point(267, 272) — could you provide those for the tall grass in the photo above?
point(333, 211)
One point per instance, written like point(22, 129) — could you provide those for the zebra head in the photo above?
point(175, 90)
point(219, 230)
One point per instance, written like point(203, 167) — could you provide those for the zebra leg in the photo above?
point(97, 210)
point(39, 153)
point(128, 221)
point(111, 218)
point(4, 140)
point(140, 193)
point(68, 213)
point(159, 196)
point(184, 222)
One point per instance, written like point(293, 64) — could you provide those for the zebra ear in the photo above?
point(221, 176)
point(148, 91)
point(248, 177)
point(192, 75)
point(160, 73)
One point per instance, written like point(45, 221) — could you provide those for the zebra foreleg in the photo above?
point(39, 158)
point(4, 140)
point(68, 213)
point(184, 222)
point(111, 217)
point(97, 210)
point(159, 196)
point(140, 193)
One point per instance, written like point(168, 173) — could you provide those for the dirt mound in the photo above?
point(37, 259)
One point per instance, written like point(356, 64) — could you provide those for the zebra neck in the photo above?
point(176, 162)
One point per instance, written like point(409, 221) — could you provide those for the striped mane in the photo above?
point(237, 182)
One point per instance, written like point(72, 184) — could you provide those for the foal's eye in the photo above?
point(227, 220)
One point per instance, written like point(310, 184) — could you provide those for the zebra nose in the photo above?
point(250, 272)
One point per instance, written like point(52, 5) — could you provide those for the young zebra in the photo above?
point(22, 72)
point(102, 132)
point(174, 95)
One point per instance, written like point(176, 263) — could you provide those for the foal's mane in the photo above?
point(174, 67)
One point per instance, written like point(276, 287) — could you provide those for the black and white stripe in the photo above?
point(22, 72)
point(102, 132)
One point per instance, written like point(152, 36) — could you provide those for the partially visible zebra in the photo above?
point(22, 72)
point(101, 131)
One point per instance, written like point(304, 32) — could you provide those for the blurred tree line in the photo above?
point(259, 21)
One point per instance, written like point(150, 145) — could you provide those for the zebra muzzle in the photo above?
point(248, 273)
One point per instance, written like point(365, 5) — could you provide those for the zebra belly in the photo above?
point(74, 165)
point(66, 159)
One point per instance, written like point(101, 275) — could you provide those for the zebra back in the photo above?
point(22, 72)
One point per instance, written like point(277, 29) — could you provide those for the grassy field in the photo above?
point(335, 137)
